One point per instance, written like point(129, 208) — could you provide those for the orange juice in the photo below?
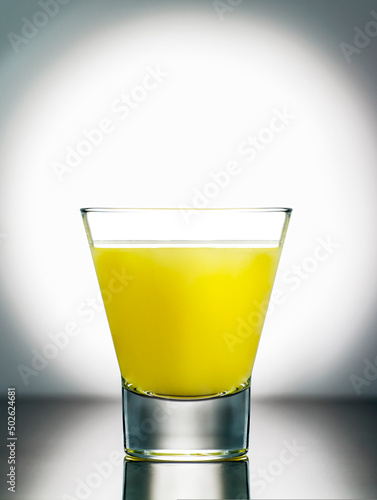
point(186, 321)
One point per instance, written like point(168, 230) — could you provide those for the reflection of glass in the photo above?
point(146, 480)
point(186, 305)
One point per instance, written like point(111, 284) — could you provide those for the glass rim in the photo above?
point(171, 209)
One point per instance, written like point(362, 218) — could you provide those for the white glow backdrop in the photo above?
point(220, 82)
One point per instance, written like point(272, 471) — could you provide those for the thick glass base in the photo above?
point(186, 430)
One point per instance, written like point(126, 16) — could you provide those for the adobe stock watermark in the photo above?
point(59, 341)
point(120, 109)
point(247, 327)
point(294, 277)
point(369, 376)
point(101, 471)
point(298, 273)
point(250, 150)
point(138, 433)
point(223, 7)
point(32, 26)
point(361, 39)
point(286, 457)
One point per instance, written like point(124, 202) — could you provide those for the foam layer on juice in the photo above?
point(186, 322)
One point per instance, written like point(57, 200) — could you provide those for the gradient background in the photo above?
point(225, 77)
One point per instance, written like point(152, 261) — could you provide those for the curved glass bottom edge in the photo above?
point(140, 392)
point(186, 455)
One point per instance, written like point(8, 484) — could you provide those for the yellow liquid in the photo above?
point(186, 322)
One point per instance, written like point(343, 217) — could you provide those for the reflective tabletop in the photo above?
point(72, 450)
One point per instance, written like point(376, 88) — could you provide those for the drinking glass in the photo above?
point(186, 293)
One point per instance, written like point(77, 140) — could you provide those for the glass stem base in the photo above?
point(186, 430)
